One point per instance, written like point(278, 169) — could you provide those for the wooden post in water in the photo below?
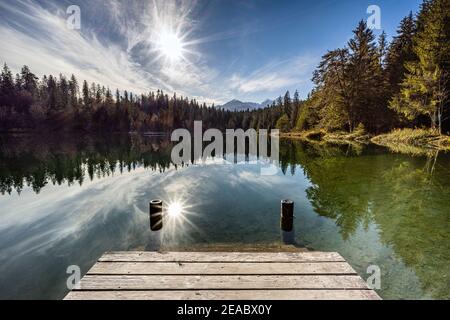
point(287, 215)
point(156, 215)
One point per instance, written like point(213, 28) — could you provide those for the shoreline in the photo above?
point(408, 141)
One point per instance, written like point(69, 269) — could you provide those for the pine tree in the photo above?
point(399, 52)
point(117, 98)
point(52, 93)
point(425, 90)
point(7, 92)
point(7, 81)
point(28, 81)
point(295, 109)
point(382, 47)
point(63, 93)
point(86, 95)
point(98, 95)
point(73, 92)
point(287, 105)
point(365, 79)
point(333, 96)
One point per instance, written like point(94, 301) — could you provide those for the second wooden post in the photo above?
point(287, 215)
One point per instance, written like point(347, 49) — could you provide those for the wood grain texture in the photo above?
point(243, 268)
point(222, 257)
point(226, 295)
point(222, 276)
point(205, 282)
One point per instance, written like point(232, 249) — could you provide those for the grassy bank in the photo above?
point(413, 141)
point(410, 141)
point(358, 136)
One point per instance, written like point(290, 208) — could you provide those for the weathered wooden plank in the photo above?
point(173, 268)
point(222, 257)
point(204, 282)
point(226, 295)
point(223, 276)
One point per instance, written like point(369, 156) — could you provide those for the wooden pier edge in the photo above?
point(222, 276)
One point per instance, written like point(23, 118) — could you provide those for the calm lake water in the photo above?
point(66, 202)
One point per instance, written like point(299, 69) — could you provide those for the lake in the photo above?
point(66, 201)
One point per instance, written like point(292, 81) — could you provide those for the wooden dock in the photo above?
point(222, 276)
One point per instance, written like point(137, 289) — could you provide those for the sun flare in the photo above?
point(175, 210)
point(170, 38)
point(170, 46)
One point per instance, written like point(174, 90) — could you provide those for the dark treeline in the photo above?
point(58, 103)
point(36, 161)
point(367, 84)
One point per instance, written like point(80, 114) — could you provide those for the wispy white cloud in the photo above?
point(37, 36)
point(264, 82)
point(52, 48)
point(275, 76)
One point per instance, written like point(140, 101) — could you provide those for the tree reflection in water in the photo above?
point(408, 198)
point(35, 162)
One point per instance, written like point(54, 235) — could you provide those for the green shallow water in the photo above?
point(65, 202)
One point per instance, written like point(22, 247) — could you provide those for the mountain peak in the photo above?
point(266, 103)
point(238, 105)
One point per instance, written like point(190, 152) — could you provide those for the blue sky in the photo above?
point(245, 49)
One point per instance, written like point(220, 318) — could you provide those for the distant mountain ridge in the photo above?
point(237, 105)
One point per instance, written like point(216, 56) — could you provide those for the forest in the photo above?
point(369, 84)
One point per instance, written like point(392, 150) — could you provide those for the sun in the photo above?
point(169, 35)
point(170, 46)
point(175, 209)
